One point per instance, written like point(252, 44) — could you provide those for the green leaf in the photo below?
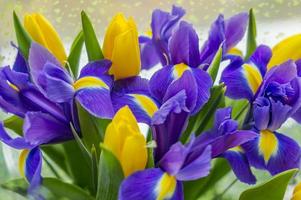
point(195, 189)
point(214, 66)
point(15, 124)
point(23, 38)
point(204, 119)
point(150, 150)
point(89, 131)
point(66, 190)
point(272, 189)
point(75, 52)
point(93, 49)
point(109, 177)
point(251, 38)
point(17, 185)
point(240, 109)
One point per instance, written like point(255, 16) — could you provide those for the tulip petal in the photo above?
point(150, 184)
point(286, 50)
point(273, 151)
point(134, 92)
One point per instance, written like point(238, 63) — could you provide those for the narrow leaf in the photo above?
point(110, 176)
point(15, 124)
point(17, 185)
point(214, 66)
point(251, 38)
point(272, 189)
point(23, 38)
point(75, 52)
point(93, 49)
point(65, 190)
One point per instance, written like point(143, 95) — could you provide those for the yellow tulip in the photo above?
point(297, 192)
point(121, 46)
point(126, 142)
point(41, 31)
point(289, 48)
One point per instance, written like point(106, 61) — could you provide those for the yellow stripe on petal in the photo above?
point(166, 187)
point(253, 77)
point(146, 104)
point(237, 149)
point(89, 82)
point(42, 31)
point(235, 51)
point(179, 69)
point(22, 160)
point(268, 144)
point(289, 48)
point(14, 87)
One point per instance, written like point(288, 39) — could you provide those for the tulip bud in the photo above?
point(289, 48)
point(121, 46)
point(126, 142)
point(297, 192)
point(41, 31)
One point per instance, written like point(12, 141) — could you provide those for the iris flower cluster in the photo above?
point(42, 91)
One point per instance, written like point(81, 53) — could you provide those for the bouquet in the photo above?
point(208, 110)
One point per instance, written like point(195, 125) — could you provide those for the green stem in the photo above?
point(219, 197)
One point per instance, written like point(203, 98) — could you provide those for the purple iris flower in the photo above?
point(181, 163)
point(274, 95)
point(225, 140)
point(167, 41)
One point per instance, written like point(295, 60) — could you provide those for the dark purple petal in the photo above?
point(261, 113)
point(186, 82)
point(38, 57)
point(41, 128)
point(96, 101)
point(58, 83)
point(236, 83)
point(148, 52)
point(17, 143)
point(169, 122)
point(184, 46)
point(146, 185)
point(160, 81)
point(279, 114)
point(235, 28)
point(174, 159)
point(33, 170)
point(285, 153)
point(96, 68)
point(198, 168)
point(240, 166)
point(134, 92)
point(282, 73)
point(20, 64)
point(260, 58)
point(204, 83)
point(215, 38)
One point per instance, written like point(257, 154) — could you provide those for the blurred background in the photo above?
point(276, 19)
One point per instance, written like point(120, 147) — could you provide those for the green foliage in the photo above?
point(15, 124)
point(75, 53)
point(214, 66)
point(251, 38)
point(109, 177)
point(23, 38)
point(92, 46)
